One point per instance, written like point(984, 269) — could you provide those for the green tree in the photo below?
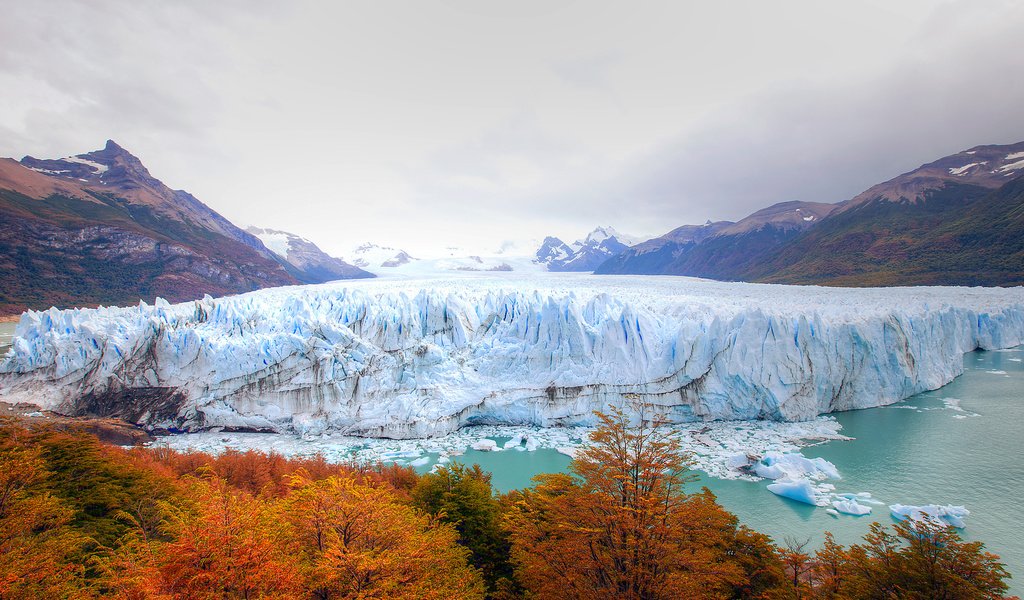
point(463, 497)
point(37, 548)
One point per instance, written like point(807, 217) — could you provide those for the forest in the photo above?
point(83, 519)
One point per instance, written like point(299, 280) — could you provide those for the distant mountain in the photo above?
point(720, 250)
point(921, 227)
point(372, 256)
point(582, 255)
point(97, 228)
point(303, 259)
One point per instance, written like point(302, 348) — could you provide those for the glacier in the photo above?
point(412, 357)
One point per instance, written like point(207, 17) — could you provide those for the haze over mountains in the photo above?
point(99, 228)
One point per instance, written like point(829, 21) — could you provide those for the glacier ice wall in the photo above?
point(418, 358)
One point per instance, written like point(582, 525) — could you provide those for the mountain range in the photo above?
point(582, 255)
point(956, 221)
point(98, 228)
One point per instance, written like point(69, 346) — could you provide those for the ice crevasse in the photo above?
point(419, 358)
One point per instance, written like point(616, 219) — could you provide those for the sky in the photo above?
point(434, 124)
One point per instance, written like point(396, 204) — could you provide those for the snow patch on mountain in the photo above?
point(1009, 167)
point(959, 171)
point(276, 241)
point(99, 168)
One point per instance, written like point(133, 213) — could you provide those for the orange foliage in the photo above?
point(269, 473)
point(356, 541)
point(623, 528)
point(226, 545)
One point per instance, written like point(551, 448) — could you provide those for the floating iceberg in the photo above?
point(850, 506)
point(934, 513)
point(799, 489)
point(418, 358)
point(485, 445)
point(776, 465)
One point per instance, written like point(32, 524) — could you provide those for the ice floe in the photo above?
point(850, 506)
point(934, 513)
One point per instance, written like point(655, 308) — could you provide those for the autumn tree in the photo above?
point(354, 540)
point(797, 562)
point(226, 544)
point(917, 559)
point(621, 525)
point(829, 570)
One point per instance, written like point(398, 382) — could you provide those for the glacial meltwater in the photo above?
point(961, 444)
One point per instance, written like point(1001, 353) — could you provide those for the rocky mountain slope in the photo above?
point(304, 259)
point(97, 228)
point(926, 226)
point(721, 250)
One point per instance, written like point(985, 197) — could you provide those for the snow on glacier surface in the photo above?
point(418, 357)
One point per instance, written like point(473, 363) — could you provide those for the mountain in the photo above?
point(987, 167)
point(720, 250)
point(582, 255)
point(927, 226)
point(97, 228)
point(303, 259)
point(372, 256)
point(954, 235)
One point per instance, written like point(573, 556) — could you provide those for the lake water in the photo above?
point(6, 333)
point(961, 445)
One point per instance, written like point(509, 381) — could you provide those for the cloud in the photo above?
point(432, 124)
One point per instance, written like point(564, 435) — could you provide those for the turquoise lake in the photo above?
point(6, 333)
point(960, 444)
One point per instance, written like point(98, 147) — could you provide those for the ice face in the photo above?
point(410, 358)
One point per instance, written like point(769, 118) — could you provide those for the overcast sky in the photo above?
point(429, 124)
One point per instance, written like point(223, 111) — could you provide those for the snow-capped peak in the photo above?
point(601, 234)
point(371, 256)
